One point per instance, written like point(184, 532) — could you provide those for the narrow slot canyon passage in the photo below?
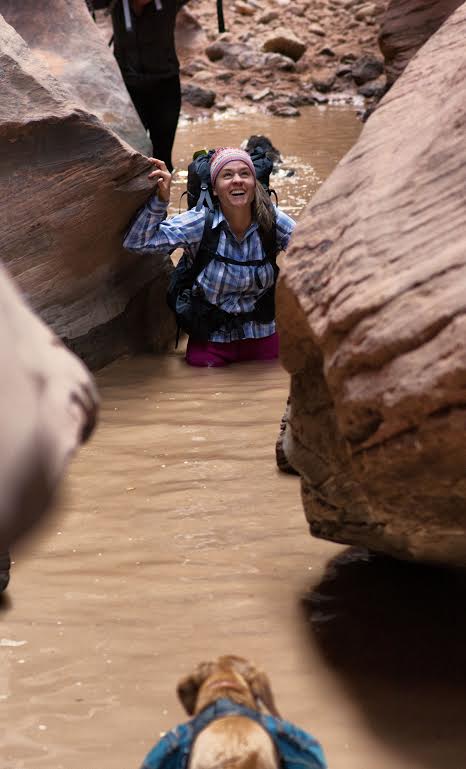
point(176, 540)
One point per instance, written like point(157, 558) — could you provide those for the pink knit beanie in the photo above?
point(224, 155)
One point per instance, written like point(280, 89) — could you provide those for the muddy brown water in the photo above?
point(176, 540)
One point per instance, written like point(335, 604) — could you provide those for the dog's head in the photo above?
point(229, 676)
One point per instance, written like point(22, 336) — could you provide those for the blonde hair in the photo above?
point(262, 209)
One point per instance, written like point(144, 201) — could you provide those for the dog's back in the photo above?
point(233, 742)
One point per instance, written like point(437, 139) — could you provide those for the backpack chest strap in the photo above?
point(208, 248)
point(240, 262)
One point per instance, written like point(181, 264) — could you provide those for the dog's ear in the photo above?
point(261, 689)
point(187, 690)
point(188, 687)
point(257, 681)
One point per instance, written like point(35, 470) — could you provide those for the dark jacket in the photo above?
point(296, 748)
point(147, 53)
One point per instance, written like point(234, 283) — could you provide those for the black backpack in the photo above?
point(194, 314)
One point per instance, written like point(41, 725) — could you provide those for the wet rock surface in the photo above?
point(82, 184)
point(372, 318)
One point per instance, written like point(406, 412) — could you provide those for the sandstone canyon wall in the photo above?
point(69, 186)
point(371, 308)
point(406, 26)
point(66, 39)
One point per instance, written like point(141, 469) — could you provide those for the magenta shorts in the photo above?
point(223, 353)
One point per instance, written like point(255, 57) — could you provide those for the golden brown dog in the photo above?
point(231, 742)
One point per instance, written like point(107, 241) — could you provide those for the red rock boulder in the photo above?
point(68, 187)
point(372, 315)
point(406, 26)
point(64, 36)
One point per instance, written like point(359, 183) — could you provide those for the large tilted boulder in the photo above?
point(48, 406)
point(284, 41)
point(406, 26)
point(64, 36)
point(372, 318)
point(68, 187)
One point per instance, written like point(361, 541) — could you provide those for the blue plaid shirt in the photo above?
point(297, 749)
point(232, 287)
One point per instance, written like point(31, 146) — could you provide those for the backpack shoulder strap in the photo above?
point(205, 198)
point(269, 241)
point(208, 245)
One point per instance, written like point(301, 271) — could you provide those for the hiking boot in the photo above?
point(4, 570)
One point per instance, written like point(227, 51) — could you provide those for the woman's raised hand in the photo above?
point(164, 178)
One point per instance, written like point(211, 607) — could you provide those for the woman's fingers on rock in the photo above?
point(159, 163)
point(160, 171)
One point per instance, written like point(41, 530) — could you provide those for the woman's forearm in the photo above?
point(144, 232)
point(151, 232)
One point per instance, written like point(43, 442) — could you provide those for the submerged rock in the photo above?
point(283, 109)
point(371, 311)
point(68, 188)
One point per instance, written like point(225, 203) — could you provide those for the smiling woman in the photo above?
point(230, 299)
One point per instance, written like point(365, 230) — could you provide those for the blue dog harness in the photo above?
point(296, 748)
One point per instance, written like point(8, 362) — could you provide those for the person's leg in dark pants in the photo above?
point(158, 106)
point(164, 111)
point(141, 99)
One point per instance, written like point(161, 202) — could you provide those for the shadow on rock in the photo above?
point(5, 603)
point(396, 634)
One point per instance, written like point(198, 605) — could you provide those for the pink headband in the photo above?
point(225, 155)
